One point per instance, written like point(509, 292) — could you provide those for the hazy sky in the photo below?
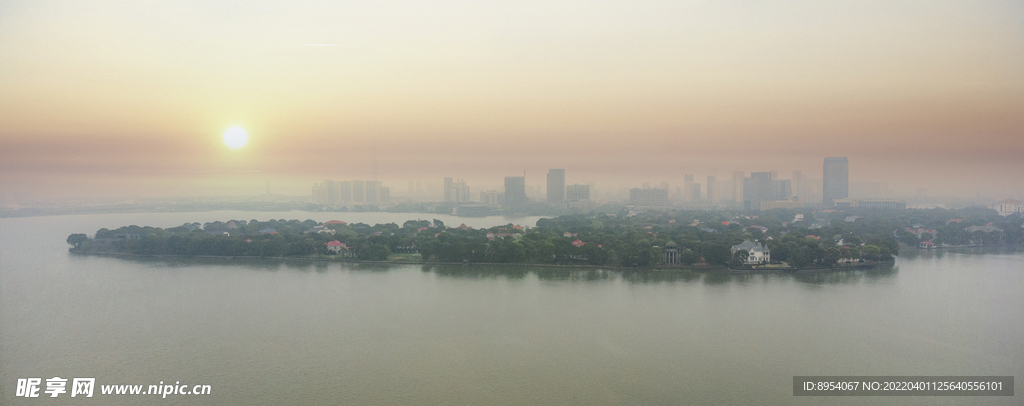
point(133, 97)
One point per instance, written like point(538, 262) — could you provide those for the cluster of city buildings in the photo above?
point(765, 191)
point(558, 194)
point(758, 191)
point(340, 193)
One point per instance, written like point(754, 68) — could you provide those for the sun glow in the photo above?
point(235, 137)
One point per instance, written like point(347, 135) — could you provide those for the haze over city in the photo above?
point(134, 98)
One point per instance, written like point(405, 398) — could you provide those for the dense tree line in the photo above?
point(622, 239)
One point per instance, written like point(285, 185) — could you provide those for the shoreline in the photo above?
point(865, 265)
point(658, 268)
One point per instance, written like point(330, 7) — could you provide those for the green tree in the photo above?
point(740, 257)
point(77, 240)
point(717, 254)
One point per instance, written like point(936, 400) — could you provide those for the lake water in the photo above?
point(298, 333)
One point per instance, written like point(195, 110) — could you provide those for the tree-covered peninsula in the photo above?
point(627, 239)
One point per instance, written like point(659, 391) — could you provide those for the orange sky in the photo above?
point(123, 98)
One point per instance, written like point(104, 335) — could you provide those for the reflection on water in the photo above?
point(478, 271)
point(910, 253)
point(513, 272)
point(846, 276)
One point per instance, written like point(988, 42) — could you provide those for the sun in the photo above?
point(235, 137)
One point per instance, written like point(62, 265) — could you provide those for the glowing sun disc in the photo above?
point(235, 137)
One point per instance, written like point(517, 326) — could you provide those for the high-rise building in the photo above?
point(373, 191)
point(489, 197)
point(577, 193)
point(448, 190)
point(359, 191)
point(556, 186)
point(515, 190)
point(783, 188)
point(737, 187)
point(756, 189)
point(798, 180)
point(688, 188)
point(648, 197)
point(835, 180)
point(694, 192)
point(345, 191)
point(460, 192)
point(332, 193)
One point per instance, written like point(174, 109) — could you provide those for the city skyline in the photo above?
point(759, 191)
point(133, 99)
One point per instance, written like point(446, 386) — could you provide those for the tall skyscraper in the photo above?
point(577, 193)
point(359, 191)
point(448, 190)
point(798, 181)
point(737, 187)
point(688, 188)
point(783, 188)
point(712, 189)
point(461, 192)
point(835, 180)
point(648, 197)
point(373, 191)
point(515, 190)
point(345, 191)
point(756, 189)
point(556, 186)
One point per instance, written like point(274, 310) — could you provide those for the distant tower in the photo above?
point(798, 181)
point(515, 190)
point(835, 180)
point(737, 186)
point(359, 191)
point(448, 189)
point(556, 186)
point(756, 189)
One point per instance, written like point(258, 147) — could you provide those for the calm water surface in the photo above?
point(274, 333)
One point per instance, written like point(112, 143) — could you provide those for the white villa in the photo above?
point(757, 253)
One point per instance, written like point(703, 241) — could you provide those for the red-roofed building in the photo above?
point(335, 222)
point(578, 243)
point(927, 244)
point(464, 227)
point(336, 246)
